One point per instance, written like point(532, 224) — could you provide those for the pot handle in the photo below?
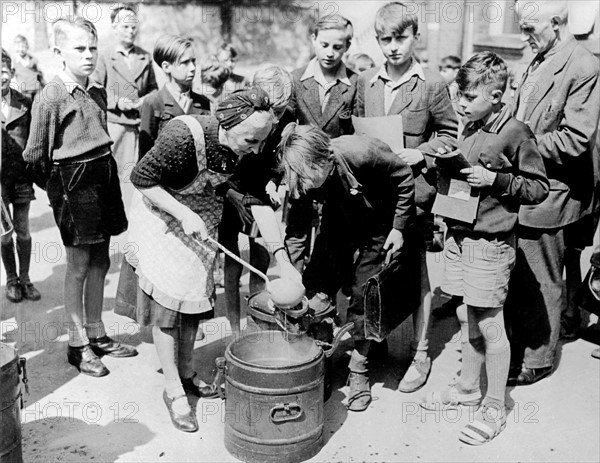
point(333, 346)
point(291, 411)
point(221, 363)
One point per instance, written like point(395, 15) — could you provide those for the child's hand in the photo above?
point(411, 156)
point(479, 177)
point(393, 244)
point(193, 224)
point(271, 190)
point(444, 150)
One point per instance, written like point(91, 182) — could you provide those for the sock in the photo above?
point(497, 363)
point(358, 362)
point(24, 253)
point(95, 329)
point(77, 336)
point(473, 357)
point(10, 264)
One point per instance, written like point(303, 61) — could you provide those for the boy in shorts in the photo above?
point(17, 187)
point(508, 171)
point(70, 155)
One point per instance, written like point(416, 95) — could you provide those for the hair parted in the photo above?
point(277, 82)
point(213, 72)
point(301, 148)
point(451, 61)
point(63, 26)
point(335, 22)
point(395, 18)
point(131, 7)
point(170, 48)
point(483, 69)
point(20, 39)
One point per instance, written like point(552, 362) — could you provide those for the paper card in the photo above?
point(388, 129)
point(459, 189)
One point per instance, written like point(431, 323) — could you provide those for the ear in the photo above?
point(166, 67)
point(496, 96)
point(417, 36)
point(556, 22)
point(313, 37)
point(57, 51)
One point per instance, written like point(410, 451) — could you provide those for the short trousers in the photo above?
point(86, 201)
point(17, 192)
point(478, 269)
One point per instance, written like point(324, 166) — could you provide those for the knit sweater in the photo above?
point(65, 125)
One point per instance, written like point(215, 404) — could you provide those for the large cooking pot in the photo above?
point(274, 395)
point(12, 368)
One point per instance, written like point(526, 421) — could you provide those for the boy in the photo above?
point(508, 171)
point(17, 187)
point(175, 56)
point(324, 96)
point(402, 86)
point(228, 56)
point(70, 158)
point(27, 73)
point(127, 74)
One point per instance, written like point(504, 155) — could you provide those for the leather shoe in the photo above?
point(84, 359)
point(359, 392)
point(13, 292)
point(207, 391)
point(29, 292)
point(106, 346)
point(532, 375)
point(186, 422)
point(513, 374)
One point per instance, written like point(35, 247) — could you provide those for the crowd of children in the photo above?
point(532, 168)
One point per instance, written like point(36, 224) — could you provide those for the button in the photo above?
point(489, 166)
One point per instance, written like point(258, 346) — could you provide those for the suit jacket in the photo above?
point(121, 81)
point(336, 120)
point(159, 108)
point(563, 113)
point(428, 120)
point(15, 131)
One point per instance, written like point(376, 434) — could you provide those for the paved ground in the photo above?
point(121, 417)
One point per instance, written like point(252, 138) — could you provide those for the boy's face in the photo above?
point(6, 77)
point(184, 70)
point(126, 27)
point(478, 102)
point(79, 51)
point(227, 59)
point(449, 74)
point(21, 48)
point(398, 49)
point(330, 46)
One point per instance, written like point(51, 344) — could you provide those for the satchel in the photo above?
point(392, 294)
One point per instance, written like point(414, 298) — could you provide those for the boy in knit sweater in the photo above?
point(70, 157)
point(508, 171)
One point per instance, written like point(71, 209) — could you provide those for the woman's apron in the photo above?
point(175, 269)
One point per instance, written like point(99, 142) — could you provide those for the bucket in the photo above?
point(10, 406)
point(274, 398)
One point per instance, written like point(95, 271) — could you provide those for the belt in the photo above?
point(87, 157)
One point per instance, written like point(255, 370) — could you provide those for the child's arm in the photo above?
point(40, 143)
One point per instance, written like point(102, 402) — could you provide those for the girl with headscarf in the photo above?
point(169, 223)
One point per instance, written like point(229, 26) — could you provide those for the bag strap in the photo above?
point(198, 133)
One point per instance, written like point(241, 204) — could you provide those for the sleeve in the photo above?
point(152, 85)
point(40, 143)
point(359, 106)
point(578, 125)
point(100, 76)
point(529, 184)
point(169, 161)
point(148, 127)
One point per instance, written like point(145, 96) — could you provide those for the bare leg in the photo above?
point(78, 265)
point(94, 288)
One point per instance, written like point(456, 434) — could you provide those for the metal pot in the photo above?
point(274, 395)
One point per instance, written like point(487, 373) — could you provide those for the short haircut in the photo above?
point(125, 7)
point(335, 22)
point(228, 48)
point(277, 82)
point(21, 39)
point(214, 73)
point(301, 148)
point(395, 18)
point(170, 48)
point(483, 69)
point(62, 27)
point(355, 61)
point(451, 61)
point(6, 59)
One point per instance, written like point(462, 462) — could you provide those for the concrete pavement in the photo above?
point(121, 417)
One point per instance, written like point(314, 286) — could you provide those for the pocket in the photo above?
point(75, 175)
point(551, 120)
point(415, 121)
point(495, 161)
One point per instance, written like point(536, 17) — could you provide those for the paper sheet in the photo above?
point(388, 129)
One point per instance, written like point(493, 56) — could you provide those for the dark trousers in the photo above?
point(298, 232)
point(536, 297)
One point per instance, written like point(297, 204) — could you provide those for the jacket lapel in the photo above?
point(17, 108)
point(404, 97)
point(374, 102)
point(171, 106)
point(139, 62)
point(335, 103)
point(310, 96)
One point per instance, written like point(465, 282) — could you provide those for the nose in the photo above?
point(462, 102)
point(255, 148)
point(524, 37)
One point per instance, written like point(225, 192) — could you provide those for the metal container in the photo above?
point(10, 405)
point(274, 397)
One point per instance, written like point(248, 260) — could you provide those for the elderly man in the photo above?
point(559, 98)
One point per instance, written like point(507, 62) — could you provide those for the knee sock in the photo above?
point(24, 252)
point(358, 359)
point(473, 357)
point(497, 363)
point(10, 264)
point(95, 329)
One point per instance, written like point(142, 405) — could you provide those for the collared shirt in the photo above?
point(494, 124)
point(6, 105)
point(391, 87)
point(126, 53)
point(71, 84)
point(314, 71)
point(183, 99)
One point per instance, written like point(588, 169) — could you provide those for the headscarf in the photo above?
point(240, 105)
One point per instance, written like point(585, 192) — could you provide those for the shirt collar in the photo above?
point(313, 70)
point(495, 123)
point(71, 85)
point(415, 69)
point(124, 51)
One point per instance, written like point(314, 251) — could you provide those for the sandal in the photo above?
point(451, 398)
point(489, 422)
point(359, 394)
